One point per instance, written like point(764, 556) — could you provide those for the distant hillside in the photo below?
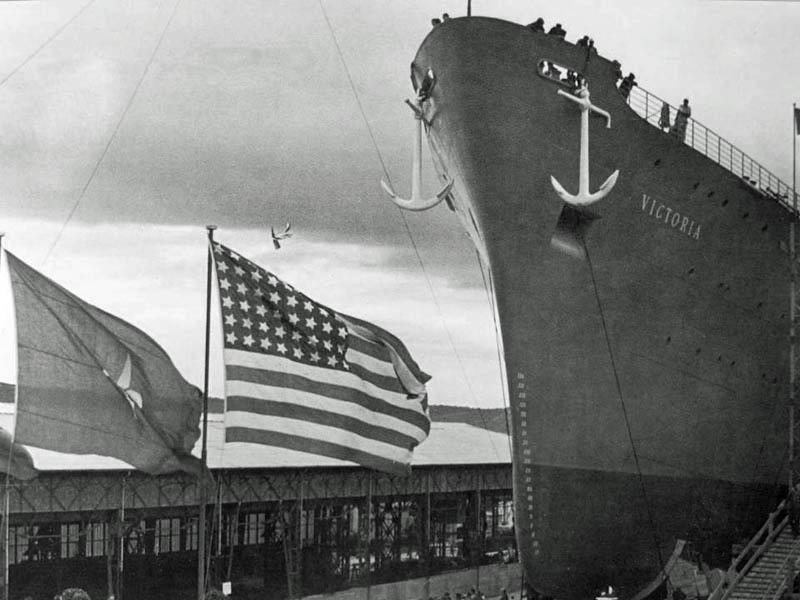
point(492, 419)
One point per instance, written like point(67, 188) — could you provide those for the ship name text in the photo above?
point(670, 217)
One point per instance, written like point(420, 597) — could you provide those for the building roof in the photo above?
point(447, 444)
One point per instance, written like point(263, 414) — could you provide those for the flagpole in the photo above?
point(8, 474)
point(201, 530)
point(793, 307)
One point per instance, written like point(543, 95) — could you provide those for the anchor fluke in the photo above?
point(608, 184)
point(583, 198)
point(417, 202)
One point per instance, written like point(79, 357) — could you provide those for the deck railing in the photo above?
point(709, 143)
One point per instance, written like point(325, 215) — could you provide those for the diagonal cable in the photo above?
point(46, 42)
point(405, 221)
point(112, 137)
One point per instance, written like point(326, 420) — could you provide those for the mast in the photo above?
point(201, 529)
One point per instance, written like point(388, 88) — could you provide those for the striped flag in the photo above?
point(303, 377)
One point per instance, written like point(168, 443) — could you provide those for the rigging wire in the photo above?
point(402, 215)
point(656, 540)
point(112, 137)
point(497, 339)
point(405, 221)
point(46, 42)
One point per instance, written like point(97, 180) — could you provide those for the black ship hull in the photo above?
point(644, 338)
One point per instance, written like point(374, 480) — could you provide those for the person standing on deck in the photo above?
point(663, 120)
point(681, 120)
point(537, 25)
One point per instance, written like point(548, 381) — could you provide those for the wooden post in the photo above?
point(428, 524)
point(6, 530)
point(109, 546)
point(233, 538)
point(369, 534)
point(6, 503)
point(478, 551)
point(121, 540)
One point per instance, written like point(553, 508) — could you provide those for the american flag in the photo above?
point(303, 377)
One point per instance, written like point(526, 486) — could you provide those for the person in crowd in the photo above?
point(627, 85)
point(663, 119)
point(445, 17)
point(617, 70)
point(537, 25)
point(435, 22)
point(572, 79)
point(590, 46)
point(503, 594)
point(74, 594)
point(557, 31)
point(681, 120)
point(584, 41)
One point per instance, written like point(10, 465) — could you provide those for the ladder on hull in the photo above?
point(767, 566)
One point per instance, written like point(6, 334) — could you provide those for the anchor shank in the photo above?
point(583, 181)
point(416, 167)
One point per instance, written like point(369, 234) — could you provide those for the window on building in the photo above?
point(23, 545)
point(70, 540)
point(307, 527)
point(96, 537)
point(168, 535)
point(191, 535)
point(255, 525)
point(135, 541)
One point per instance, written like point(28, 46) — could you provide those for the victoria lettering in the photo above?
point(670, 217)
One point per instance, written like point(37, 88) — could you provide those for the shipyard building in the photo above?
point(281, 522)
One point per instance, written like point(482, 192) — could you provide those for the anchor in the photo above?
point(416, 202)
point(584, 197)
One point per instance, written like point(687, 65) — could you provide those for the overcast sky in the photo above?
point(245, 118)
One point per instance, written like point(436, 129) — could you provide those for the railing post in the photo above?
point(692, 133)
point(646, 105)
point(719, 150)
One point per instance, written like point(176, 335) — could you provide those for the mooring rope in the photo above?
point(607, 337)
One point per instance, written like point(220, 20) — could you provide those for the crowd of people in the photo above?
point(473, 594)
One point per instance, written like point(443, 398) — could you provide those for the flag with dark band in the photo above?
point(303, 377)
point(91, 383)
